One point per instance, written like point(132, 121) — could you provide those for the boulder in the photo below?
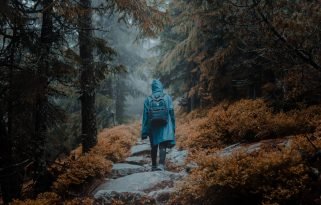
point(138, 160)
point(255, 146)
point(140, 149)
point(144, 182)
point(109, 197)
point(123, 169)
point(177, 157)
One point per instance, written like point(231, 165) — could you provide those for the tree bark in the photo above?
point(120, 98)
point(87, 78)
point(10, 180)
point(40, 108)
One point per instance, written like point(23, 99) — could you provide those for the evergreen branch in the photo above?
point(301, 53)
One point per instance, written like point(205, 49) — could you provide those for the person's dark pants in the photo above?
point(162, 153)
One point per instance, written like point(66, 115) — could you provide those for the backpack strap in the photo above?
point(156, 97)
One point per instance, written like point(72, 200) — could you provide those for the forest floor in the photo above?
point(132, 180)
point(221, 152)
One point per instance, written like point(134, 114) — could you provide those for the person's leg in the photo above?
point(162, 155)
point(154, 157)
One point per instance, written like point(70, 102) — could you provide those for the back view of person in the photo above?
point(158, 124)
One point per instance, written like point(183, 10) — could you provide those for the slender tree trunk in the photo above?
point(87, 79)
point(108, 91)
point(41, 107)
point(120, 98)
point(6, 157)
point(10, 179)
point(6, 180)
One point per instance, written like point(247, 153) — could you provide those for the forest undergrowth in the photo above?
point(283, 169)
point(76, 174)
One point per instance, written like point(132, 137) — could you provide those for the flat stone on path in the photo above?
point(138, 160)
point(140, 149)
point(177, 157)
point(137, 197)
point(123, 169)
point(144, 182)
point(255, 146)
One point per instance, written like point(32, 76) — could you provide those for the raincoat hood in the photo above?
point(157, 86)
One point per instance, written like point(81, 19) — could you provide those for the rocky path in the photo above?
point(132, 182)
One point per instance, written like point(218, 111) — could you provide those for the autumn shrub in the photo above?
point(51, 198)
point(82, 169)
point(183, 116)
point(188, 128)
point(76, 170)
point(278, 171)
point(276, 174)
point(113, 145)
point(47, 198)
point(243, 121)
point(80, 201)
point(186, 134)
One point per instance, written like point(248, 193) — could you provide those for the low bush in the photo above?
point(51, 198)
point(47, 198)
point(74, 172)
point(273, 175)
point(113, 145)
point(244, 121)
point(79, 171)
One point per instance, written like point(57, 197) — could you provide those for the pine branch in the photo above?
point(305, 56)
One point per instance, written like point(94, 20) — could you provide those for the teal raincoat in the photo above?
point(164, 133)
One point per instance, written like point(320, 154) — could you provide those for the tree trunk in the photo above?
point(120, 98)
point(40, 109)
point(87, 78)
point(10, 179)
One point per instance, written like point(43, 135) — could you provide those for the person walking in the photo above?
point(158, 124)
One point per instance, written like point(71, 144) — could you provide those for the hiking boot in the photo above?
point(161, 167)
point(154, 168)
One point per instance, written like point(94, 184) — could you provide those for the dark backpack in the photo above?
point(158, 111)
